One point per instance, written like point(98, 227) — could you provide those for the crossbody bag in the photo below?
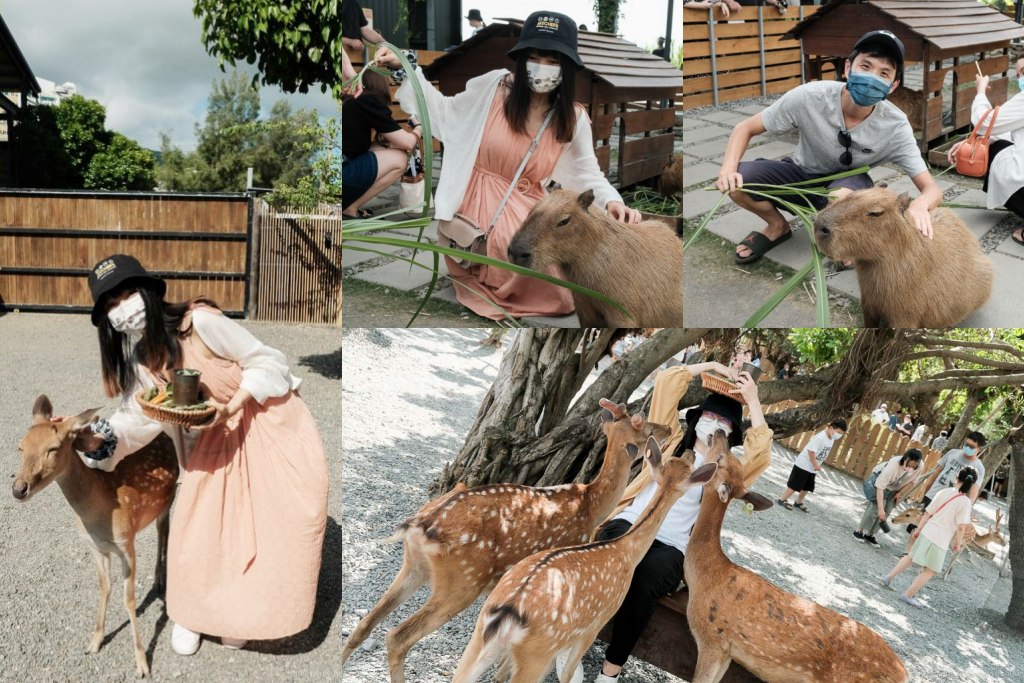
point(462, 232)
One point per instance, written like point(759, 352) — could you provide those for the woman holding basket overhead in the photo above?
point(505, 137)
point(248, 523)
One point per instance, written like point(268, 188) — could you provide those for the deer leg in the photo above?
point(128, 568)
point(576, 655)
point(163, 527)
point(711, 665)
point(952, 560)
point(531, 669)
point(504, 670)
point(451, 592)
point(476, 658)
point(103, 570)
point(414, 573)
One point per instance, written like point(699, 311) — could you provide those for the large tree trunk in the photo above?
point(963, 425)
point(1015, 612)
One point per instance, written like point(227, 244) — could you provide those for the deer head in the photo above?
point(46, 450)
point(733, 477)
point(631, 430)
point(676, 474)
point(909, 516)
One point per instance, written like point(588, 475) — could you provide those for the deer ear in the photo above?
point(703, 474)
point(633, 450)
point(42, 410)
point(904, 201)
point(653, 452)
point(724, 491)
point(78, 422)
point(586, 199)
point(757, 500)
point(688, 457)
point(606, 416)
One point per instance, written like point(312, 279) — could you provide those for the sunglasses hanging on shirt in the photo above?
point(846, 158)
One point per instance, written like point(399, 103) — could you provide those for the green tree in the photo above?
point(295, 44)
point(178, 171)
point(284, 147)
point(607, 12)
point(121, 165)
point(38, 152)
point(82, 126)
point(226, 140)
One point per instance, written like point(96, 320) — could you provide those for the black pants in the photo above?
point(1016, 201)
point(925, 502)
point(658, 574)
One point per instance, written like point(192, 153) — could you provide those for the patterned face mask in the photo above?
point(543, 77)
point(129, 315)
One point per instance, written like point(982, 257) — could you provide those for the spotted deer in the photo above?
point(556, 601)
point(464, 541)
point(737, 615)
point(110, 507)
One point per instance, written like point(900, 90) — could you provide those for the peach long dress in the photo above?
point(248, 523)
point(500, 154)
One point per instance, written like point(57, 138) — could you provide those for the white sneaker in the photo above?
point(560, 661)
point(233, 643)
point(183, 641)
point(601, 678)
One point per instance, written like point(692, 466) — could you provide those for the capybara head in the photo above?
point(868, 225)
point(670, 182)
point(46, 448)
point(560, 229)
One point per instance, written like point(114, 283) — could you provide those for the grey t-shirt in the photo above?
point(815, 110)
point(949, 467)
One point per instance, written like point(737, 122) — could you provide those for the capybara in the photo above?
point(670, 182)
point(640, 266)
point(906, 279)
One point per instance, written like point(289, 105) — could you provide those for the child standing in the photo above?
point(940, 523)
point(807, 464)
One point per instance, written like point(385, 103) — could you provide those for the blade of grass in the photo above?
point(704, 222)
point(775, 299)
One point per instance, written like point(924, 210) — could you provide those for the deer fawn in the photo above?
point(735, 614)
point(557, 600)
point(110, 507)
point(464, 541)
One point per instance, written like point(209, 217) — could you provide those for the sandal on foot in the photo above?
point(784, 503)
point(1018, 240)
point(800, 506)
point(759, 245)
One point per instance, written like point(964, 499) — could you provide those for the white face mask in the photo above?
point(836, 436)
point(129, 315)
point(543, 77)
point(706, 428)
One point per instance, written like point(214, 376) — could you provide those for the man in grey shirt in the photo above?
point(950, 465)
point(841, 126)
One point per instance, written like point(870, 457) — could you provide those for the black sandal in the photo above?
point(759, 245)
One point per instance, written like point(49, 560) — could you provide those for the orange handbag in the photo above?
point(972, 157)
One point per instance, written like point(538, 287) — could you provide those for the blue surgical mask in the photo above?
point(1020, 83)
point(968, 450)
point(867, 89)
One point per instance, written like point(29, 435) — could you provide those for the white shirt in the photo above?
point(820, 445)
point(1006, 175)
point(918, 433)
point(678, 524)
point(942, 526)
point(265, 374)
point(881, 416)
point(459, 121)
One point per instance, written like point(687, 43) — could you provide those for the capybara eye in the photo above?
point(876, 213)
point(564, 221)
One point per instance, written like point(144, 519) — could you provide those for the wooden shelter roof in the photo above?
point(618, 62)
point(15, 74)
point(946, 24)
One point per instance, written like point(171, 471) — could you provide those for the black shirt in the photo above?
point(352, 19)
point(359, 117)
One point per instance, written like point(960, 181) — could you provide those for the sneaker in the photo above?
point(859, 535)
point(913, 602)
point(183, 641)
point(233, 643)
point(800, 507)
point(785, 503)
point(560, 661)
point(886, 581)
point(601, 678)
point(871, 540)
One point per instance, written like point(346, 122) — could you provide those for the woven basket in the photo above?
point(185, 418)
point(720, 385)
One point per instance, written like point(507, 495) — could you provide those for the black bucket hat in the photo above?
point(474, 14)
point(111, 274)
point(730, 409)
point(889, 44)
point(549, 31)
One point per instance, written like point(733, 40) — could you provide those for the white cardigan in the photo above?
point(265, 374)
point(1007, 172)
point(459, 121)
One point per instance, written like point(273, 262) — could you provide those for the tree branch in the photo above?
point(904, 389)
point(993, 346)
point(958, 355)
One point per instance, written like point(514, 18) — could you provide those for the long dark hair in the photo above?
point(158, 349)
point(967, 477)
point(735, 437)
point(374, 85)
point(517, 104)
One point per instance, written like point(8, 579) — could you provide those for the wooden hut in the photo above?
point(16, 79)
point(620, 83)
point(945, 36)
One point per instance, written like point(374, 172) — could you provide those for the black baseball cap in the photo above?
point(549, 31)
point(111, 274)
point(889, 44)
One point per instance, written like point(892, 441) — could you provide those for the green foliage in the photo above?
point(821, 346)
point(232, 138)
point(321, 184)
point(295, 44)
point(121, 165)
point(607, 12)
point(81, 125)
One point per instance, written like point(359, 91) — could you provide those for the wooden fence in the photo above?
point(297, 265)
point(864, 446)
point(744, 56)
point(49, 240)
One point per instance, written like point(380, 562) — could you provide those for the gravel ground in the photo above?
point(435, 380)
point(47, 575)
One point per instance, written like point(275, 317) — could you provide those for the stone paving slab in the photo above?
point(978, 221)
point(400, 274)
point(429, 231)
point(883, 173)
point(700, 173)
point(725, 116)
point(973, 196)
point(905, 184)
point(699, 202)
point(714, 149)
point(351, 256)
point(1011, 248)
point(750, 109)
point(705, 133)
point(770, 150)
point(1004, 308)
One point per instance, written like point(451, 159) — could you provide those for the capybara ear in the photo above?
point(904, 201)
point(586, 199)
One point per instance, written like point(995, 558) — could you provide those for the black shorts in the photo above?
point(801, 480)
point(785, 171)
point(357, 176)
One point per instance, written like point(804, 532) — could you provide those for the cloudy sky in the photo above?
point(141, 59)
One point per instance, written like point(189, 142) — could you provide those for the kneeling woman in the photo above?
point(248, 524)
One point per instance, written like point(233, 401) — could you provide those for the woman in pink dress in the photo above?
point(248, 523)
point(486, 131)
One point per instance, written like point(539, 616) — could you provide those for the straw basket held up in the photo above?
point(720, 385)
point(184, 418)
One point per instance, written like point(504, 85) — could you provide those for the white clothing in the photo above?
point(880, 416)
point(950, 465)
point(941, 527)
point(894, 476)
point(1006, 175)
point(458, 122)
point(265, 374)
point(820, 445)
point(918, 433)
point(678, 525)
